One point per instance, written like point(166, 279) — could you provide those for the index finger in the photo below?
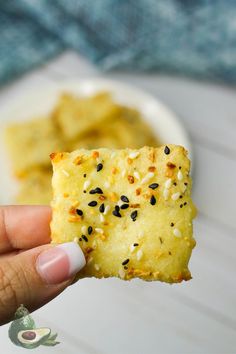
point(24, 227)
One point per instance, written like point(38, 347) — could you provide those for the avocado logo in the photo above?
point(24, 333)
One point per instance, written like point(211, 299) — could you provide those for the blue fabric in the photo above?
point(196, 38)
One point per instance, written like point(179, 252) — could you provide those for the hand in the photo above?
point(32, 271)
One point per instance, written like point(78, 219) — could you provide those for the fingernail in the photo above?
point(60, 263)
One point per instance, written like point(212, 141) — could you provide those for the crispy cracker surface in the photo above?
point(130, 211)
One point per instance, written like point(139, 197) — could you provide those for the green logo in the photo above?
point(24, 333)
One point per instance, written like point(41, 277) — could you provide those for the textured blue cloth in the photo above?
point(187, 37)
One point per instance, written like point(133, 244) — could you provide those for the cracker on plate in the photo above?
point(76, 116)
point(31, 142)
point(130, 211)
point(35, 188)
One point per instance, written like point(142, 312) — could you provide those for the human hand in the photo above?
point(32, 271)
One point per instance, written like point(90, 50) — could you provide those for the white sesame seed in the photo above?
point(86, 185)
point(107, 184)
point(107, 208)
point(96, 266)
point(146, 178)
point(166, 194)
point(177, 232)
point(121, 273)
point(136, 175)
point(84, 229)
point(175, 196)
point(180, 175)
point(98, 230)
point(139, 255)
point(90, 260)
point(132, 248)
point(183, 188)
point(76, 239)
point(123, 173)
point(102, 219)
point(168, 183)
point(119, 203)
point(65, 173)
point(134, 154)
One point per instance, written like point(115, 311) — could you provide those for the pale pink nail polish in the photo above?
point(61, 262)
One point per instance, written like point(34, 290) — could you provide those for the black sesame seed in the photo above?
point(90, 230)
point(97, 190)
point(102, 208)
point(134, 215)
point(181, 206)
point(153, 200)
point(93, 203)
point(85, 238)
point(166, 150)
point(99, 167)
point(116, 213)
point(80, 239)
point(79, 212)
point(124, 206)
point(172, 224)
point(185, 183)
point(117, 208)
point(135, 244)
point(126, 261)
point(161, 241)
point(124, 199)
point(185, 203)
point(85, 175)
point(125, 267)
point(180, 167)
point(170, 253)
point(180, 196)
point(175, 184)
point(153, 185)
point(84, 191)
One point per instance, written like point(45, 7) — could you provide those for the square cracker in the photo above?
point(76, 116)
point(151, 236)
point(30, 143)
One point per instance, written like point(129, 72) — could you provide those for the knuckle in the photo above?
point(12, 286)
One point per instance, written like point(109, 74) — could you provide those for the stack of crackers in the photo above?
point(75, 122)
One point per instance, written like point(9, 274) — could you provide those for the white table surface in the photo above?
point(116, 317)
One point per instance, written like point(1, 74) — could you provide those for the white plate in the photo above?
point(41, 101)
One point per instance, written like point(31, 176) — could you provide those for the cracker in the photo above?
point(76, 116)
point(148, 235)
point(30, 143)
point(35, 188)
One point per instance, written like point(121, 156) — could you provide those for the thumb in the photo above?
point(36, 276)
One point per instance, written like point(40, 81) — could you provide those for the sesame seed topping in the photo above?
point(161, 241)
point(177, 232)
point(116, 213)
point(93, 203)
point(102, 219)
point(134, 154)
point(96, 266)
point(76, 239)
point(185, 183)
point(117, 208)
point(134, 215)
point(153, 200)
point(121, 273)
point(153, 185)
point(102, 208)
point(83, 229)
point(126, 261)
point(97, 190)
point(166, 150)
point(181, 206)
point(172, 224)
point(79, 212)
point(136, 175)
point(107, 208)
point(107, 184)
point(135, 244)
point(148, 176)
point(175, 184)
point(185, 203)
point(90, 230)
point(168, 183)
point(85, 175)
point(99, 230)
point(124, 199)
point(65, 173)
point(86, 185)
point(124, 206)
point(139, 255)
point(180, 175)
point(166, 194)
point(175, 196)
point(85, 238)
point(99, 167)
